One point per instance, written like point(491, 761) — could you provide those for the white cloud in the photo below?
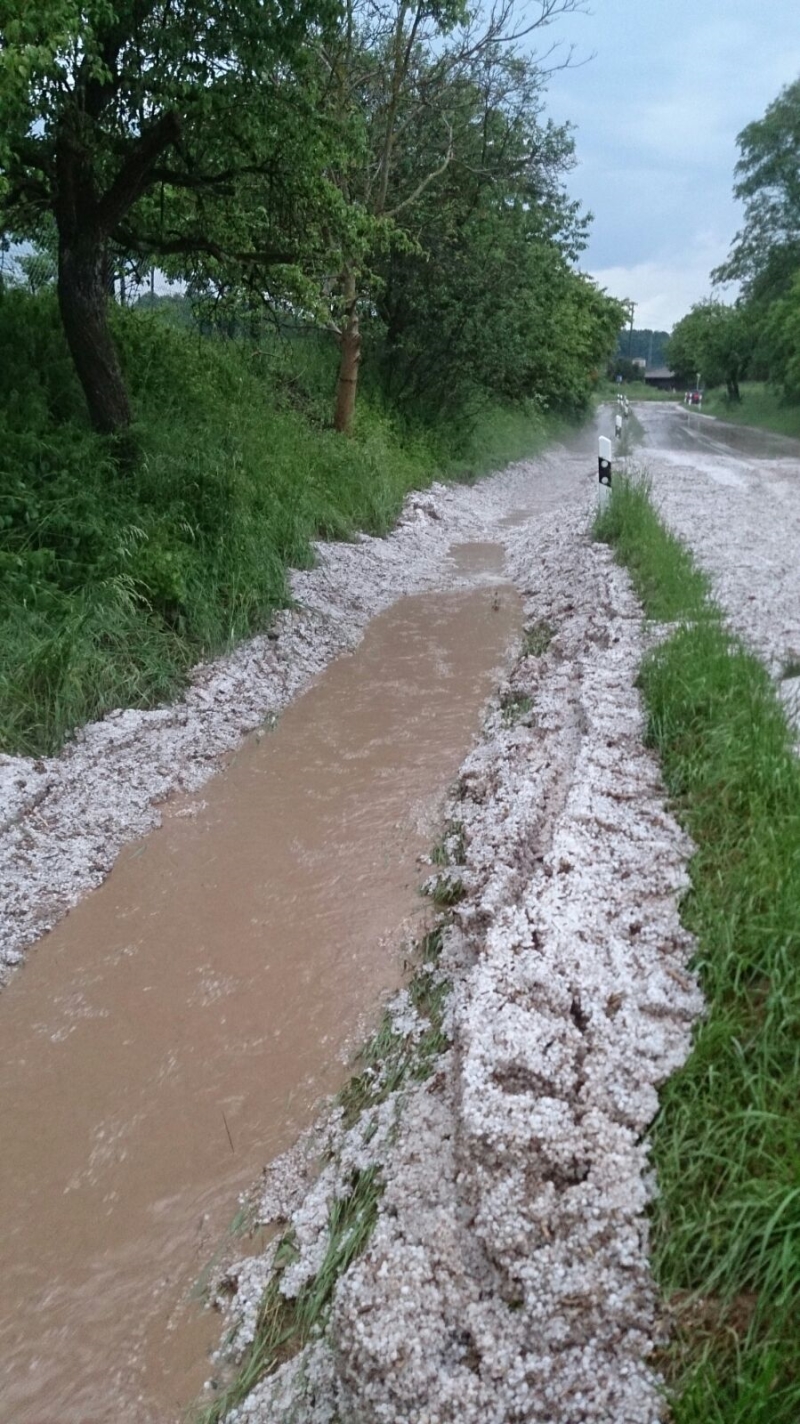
point(657, 113)
point(665, 287)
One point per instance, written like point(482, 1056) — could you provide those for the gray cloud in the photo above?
point(657, 112)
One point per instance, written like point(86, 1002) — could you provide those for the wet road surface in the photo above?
point(677, 428)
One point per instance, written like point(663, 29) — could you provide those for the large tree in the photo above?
point(714, 340)
point(156, 127)
point(766, 251)
point(488, 300)
point(396, 69)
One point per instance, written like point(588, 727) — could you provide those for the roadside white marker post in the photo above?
point(603, 469)
point(618, 424)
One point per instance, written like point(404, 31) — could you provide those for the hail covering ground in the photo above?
point(740, 516)
point(507, 1276)
point(64, 819)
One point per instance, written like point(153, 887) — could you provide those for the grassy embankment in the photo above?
point(759, 406)
point(113, 585)
point(726, 1142)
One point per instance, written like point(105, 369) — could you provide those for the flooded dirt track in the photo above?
point(506, 1277)
point(176, 1030)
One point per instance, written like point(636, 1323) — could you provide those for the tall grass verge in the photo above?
point(113, 585)
point(726, 1141)
point(760, 406)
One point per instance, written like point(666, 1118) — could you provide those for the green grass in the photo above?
point(286, 1323)
point(759, 406)
point(726, 1141)
point(514, 706)
point(536, 639)
point(112, 586)
point(636, 391)
point(663, 572)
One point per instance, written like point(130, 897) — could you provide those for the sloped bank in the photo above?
point(476, 1242)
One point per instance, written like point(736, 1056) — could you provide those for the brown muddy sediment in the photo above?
point(176, 1030)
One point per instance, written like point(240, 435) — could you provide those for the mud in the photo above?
point(478, 558)
point(177, 1029)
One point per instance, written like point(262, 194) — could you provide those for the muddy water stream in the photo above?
point(175, 1031)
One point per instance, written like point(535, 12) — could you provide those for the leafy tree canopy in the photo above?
point(140, 125)
point(714, 340)
point(766, 252)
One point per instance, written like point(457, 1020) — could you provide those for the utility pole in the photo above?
point(630, 332)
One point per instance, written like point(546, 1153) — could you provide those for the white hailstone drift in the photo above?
point(506, 1278)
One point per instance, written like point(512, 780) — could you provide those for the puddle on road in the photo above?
point(175, 1031)
point(478, 558)
point(516, 517)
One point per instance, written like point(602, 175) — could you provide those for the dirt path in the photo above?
point(507, 1276)
point(64, 819)
point(175, 1030)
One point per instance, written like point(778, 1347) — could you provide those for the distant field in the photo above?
point(637, 391)
point(759, 406)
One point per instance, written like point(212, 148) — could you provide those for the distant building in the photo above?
point(661, 377)
point(640, 362)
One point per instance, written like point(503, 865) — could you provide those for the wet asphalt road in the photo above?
point(670, 426)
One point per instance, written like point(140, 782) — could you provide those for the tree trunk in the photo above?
point(350, 345)
point(82, 300)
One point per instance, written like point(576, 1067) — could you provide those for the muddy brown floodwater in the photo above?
point(176, 1030)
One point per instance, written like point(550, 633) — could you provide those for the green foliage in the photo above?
point(781, 337)
point(110, 588)
point(761, 333)
point(760, 405)
point(715, 340)
point(643, 344)
point(726, 1223)
point(766, 252)
point(537, 639)
point(487, 301)
point(382, 164)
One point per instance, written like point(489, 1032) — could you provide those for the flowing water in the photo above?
point(177, 1029)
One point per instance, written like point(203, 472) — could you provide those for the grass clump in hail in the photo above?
point(726, 1225)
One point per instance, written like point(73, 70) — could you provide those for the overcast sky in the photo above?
point(656, 113)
